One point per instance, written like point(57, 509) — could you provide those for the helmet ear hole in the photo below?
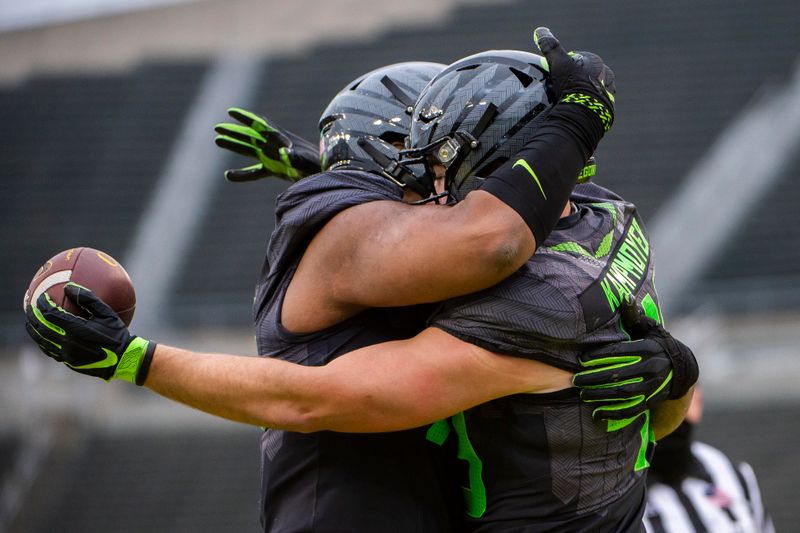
point(395, 138)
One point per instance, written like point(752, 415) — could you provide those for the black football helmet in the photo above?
point(361, 123)
point(477, 113)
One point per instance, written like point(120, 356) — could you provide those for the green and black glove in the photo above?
point(627, 378)
point(281, 154)
point(99, 346)
point(580, 78)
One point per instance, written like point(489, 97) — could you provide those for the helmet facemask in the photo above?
point(450, 151)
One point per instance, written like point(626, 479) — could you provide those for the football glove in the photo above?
point(627, 378)
point(280, 154)
point(99, 346)
point(579, 78)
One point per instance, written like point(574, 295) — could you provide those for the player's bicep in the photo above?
point(350, 255)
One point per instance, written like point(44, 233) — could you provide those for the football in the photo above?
point(93, 269)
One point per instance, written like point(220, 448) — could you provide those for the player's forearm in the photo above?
point(667, 416)
point(251, 390)
point(370, 390)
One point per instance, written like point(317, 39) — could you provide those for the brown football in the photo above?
point(93, 269)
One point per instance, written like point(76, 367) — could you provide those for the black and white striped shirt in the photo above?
point(717, 497)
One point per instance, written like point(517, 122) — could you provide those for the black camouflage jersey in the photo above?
point(326, 481)
point(537, 462)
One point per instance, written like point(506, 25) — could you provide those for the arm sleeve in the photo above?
point(538, 181)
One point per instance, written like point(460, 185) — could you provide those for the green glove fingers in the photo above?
point(250, 119)
point(280, 153)
point(251, 173)
point(606, 372)
point(236, 145)
point(282, 166)
point(244, 134)
point(661, 390)
point(249, 143)
point(38, 313)
point(620, 413)
point(623, 380)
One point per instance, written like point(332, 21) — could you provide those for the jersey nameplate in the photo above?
point(623, 275)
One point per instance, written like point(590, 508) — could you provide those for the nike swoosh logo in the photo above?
point(110, 360)
point(524, 164)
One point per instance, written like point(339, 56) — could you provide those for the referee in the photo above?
point(694, 487)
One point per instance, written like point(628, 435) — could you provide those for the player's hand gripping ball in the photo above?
point(74, 309)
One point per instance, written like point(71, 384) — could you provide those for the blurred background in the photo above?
point(106, 140)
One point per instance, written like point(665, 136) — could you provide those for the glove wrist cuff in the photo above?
point(593, 104)
point(135, 361)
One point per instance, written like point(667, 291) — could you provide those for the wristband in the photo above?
point(144, 367)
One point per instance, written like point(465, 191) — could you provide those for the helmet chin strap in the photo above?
point(397, 172)
point(435, 199)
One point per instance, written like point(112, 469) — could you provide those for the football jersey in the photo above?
point(538, 462)
point(327, 481)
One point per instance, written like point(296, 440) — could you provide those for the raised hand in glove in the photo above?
point(99, 346)
point(280, 154)
point(624, 379)
point(579, 78)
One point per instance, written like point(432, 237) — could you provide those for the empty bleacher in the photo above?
point(199, 481)
point(80, 157)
